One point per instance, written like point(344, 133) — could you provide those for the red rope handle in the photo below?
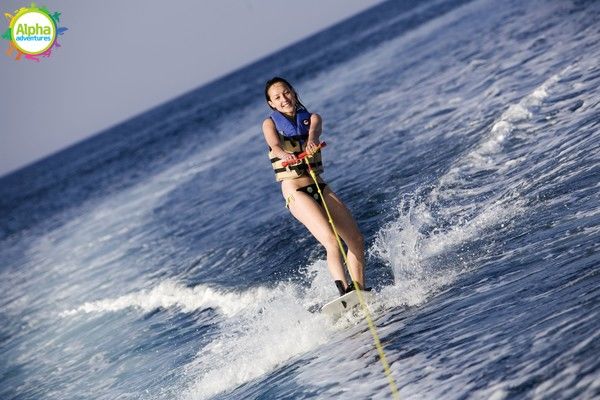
point(303, 155)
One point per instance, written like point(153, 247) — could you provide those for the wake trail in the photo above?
point(174, 295)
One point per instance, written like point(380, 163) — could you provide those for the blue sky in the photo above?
point(119, 58)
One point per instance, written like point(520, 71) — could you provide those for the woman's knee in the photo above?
point(330, 243)
point(356, 242)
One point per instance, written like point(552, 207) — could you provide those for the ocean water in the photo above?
point(156, 260)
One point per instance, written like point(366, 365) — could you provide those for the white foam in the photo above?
point(489, 215)
point(257, 341)
point(515, 114)
point(171, 294)
point(413, 244)
point(401, 245)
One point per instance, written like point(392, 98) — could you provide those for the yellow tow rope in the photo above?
point(361, 299)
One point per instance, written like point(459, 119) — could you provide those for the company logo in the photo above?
point(32, 32)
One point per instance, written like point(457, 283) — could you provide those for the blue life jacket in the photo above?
point(287, 128)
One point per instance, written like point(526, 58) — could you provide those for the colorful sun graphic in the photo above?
point(32, 33)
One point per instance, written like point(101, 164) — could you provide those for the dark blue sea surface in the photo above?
point(156, 260)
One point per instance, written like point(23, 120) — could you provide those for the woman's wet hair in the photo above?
point(278, 79)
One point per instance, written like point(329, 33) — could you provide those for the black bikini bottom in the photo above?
point(312, 191)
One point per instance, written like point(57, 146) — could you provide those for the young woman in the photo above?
point(289, 131)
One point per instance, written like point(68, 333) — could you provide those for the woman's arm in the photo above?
point(316, 127)
point(314, 132)
point(272, 139)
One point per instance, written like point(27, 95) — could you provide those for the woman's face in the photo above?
point(282, 98)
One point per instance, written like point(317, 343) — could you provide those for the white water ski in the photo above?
point(342, 304)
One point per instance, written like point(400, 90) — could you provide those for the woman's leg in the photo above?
point(348, 230)
point(313, 217)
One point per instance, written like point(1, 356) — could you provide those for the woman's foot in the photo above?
point(355, 285)
point(352, 286)
point(340, 287)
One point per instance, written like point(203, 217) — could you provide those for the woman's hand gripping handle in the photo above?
point(305, 154)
